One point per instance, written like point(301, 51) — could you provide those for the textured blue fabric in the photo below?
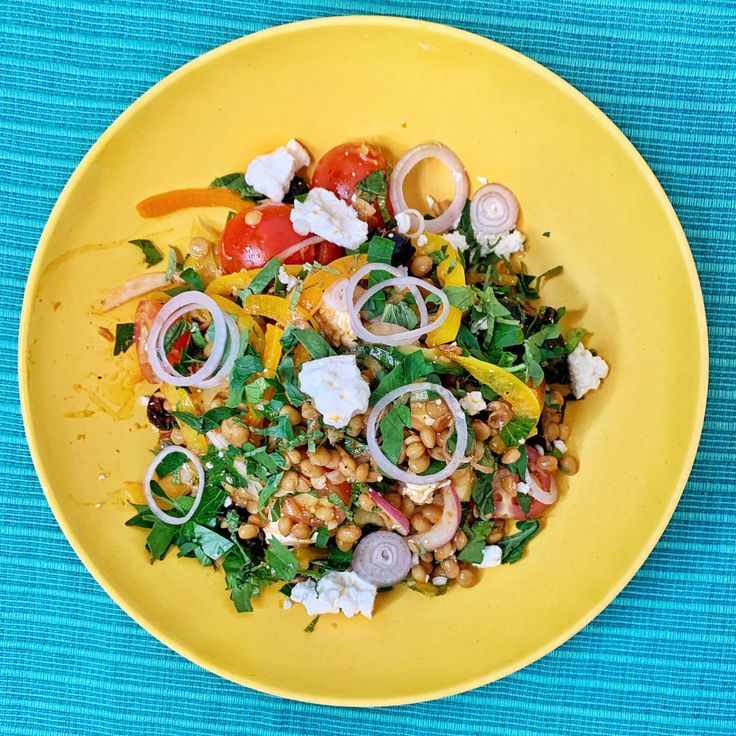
point(660, 660)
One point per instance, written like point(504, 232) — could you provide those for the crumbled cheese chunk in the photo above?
point(422, 240)
point(473, 403)
point(560, 445)
point(287, 279)
point(335, 324)
point(586, 370)
point(421, 494)
point(522, 487)
point(336, 592)
point(403, 223)
point(323, 214)
point(271, 173)
point(482, 180)
point(502, 244)
point(478, 325)
point(338, 389)
point(457, 240)
point(492, 554)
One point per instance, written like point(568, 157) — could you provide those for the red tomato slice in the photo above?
point(244, 245)
point(506, 506)
point(179, 347)
point(145, 313)
point(342, 167)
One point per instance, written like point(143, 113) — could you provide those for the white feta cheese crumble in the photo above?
point(502, 244)
point(287, 279)
point(491, 556)
point(482, 180)
point(271, 173)
point(473, 403)
point(421, 494)
point(522, 487)
point(323, 214)
point(478, 325)
point(403, 223)
point(287, 603)
point(457, 240)
point(335, 324)
point(586, 370)
point(422, 240)
point(338, 389)
point(336, 592)
point(560, 445)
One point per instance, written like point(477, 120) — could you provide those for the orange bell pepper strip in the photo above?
point(449, 273)
point(275, 308)
point(319, 280)
point(235, 282)
point(523, 399)
point(179, 199)
point(273, 350)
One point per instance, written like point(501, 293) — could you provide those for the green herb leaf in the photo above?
point(462, 297)
point(254, 392)
point(520, 466)
point(375, 188)
point(208, 421)
point(212, 544)
point(516, 430)
point(513, 546)
point(392, 431)
point(400, 314)
point(170, 264)
point(323, 536)
point(193, 279)
point(269, 490)
point(236, 183)
point(244, 368)
point(573, 338)
point(316, 345)
point(282, 560)
point(413, 367)
point(473, 550)
point(525, 501)
point(150, 252)
point(483, 493)
point(171, 463)
point(160, 539)
point(262, 279)
point(310, 626)
point(124, 336)
point(380, 250)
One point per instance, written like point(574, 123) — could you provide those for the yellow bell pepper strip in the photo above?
point(319, 280)
point(235, 282)
point(273, 349)
point(275, 308)
point(523, 400)
point(449, 273)
point(179, 199)
point(245, 321)
point(181, 401)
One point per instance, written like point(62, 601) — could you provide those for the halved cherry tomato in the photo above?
point(245, 246)
point(145, 313)
point(342, 167)
point(506, 506)
point(181, 344)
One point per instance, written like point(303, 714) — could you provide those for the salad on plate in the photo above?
point(349, 394)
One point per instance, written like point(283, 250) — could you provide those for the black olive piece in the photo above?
point(157, 415)
point(297, 187)
point(557, 371)
point(403, 249)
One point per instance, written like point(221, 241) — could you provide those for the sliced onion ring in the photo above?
point(382, 559)
point(175, 308)
point(493, 210)
point(460, 428)
point(536, 491)
point(449, 218)
point(400, 522)
point(444, 530)
point(288, 252)
point(416, 216)
point(151, 501)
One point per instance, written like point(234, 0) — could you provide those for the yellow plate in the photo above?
point(629, 278)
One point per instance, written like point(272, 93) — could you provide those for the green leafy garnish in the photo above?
point(400, 314)
point(517, 430)
point(170, 264)
point(310, 626)
point(282, 560)
point(323, 536)
point(413, 367)
point(193, 279)
point(393, 424)
point(483, 493)
point(375, 188)
point(262, 279)
point(208, 421)
point(513, 546)
point(574, 337)
point(236, 183)
point(525, 501)
point(150, 252)
point(124, 336)
point(244, 368)
point(171, 463)
point(316, 345)
point(477, 534)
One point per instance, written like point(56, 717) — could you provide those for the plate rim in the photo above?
point(35, 274)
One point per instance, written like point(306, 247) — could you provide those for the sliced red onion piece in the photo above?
point(382, 559)
point(536, 491)
point(493, 210)
point(419, 223)
point(137, 286)
point(444, 530)
point(151, 501)
point(449, 218)
point(400, 522)
point(460, 428)
point(175, 308)
point(287, 252)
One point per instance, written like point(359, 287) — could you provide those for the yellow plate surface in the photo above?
point(629, 278)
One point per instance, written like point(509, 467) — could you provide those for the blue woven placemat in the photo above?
point(660, 660)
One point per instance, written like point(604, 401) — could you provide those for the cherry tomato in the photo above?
point(145, 313)
point(342, 167)
point(245, 245)
point(506, 506)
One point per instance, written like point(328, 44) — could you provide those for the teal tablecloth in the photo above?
point(660, 660)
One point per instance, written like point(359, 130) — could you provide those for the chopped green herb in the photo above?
point(193, 279)
point(574, 337)
point(323, 536)
point(375, 188)
point(517, 430)
point(236, 183)
point(525, 502)
point(282, 560)
point(392, 430)
point(513, 546)
point(310, 627)
point(483, 494)
point(473, 550)
point(316, 345)
point(124, 336)
point(208, 421)
point(170, 264)
point(262, 279)
point(400, 314)
point(150, 252)
point(244, 368)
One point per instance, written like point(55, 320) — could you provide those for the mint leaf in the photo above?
point(520, 466)
point(513, 546)
point(262, 279)
point(323, 536)
point(525, 501)
point(282, 560)
point(462, 297)
point(160, 539)
point(193, 279)
point(150, 252)
point(400, 314)
point(244, 368)
point(473, 550)
point(171, 463)
point(392, 431)
point(573, 338)
point(124, 336)
point(516, 430)
point(413, 367)
point(170, 264)
point(374, 189)
point(316, 345)
point(483, 494)
point(236, 183)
